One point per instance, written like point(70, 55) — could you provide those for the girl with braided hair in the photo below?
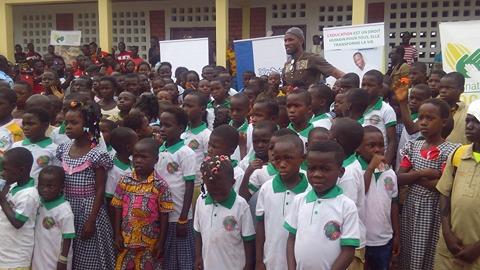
point(85, 165)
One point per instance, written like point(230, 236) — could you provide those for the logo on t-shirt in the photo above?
point(375, 120)
point(229, 223)
point(43, 161)
point(3, 142)
point(332, 230)
point(172, 167)
point(193, 144)
point(388, 183)
point(48, 223)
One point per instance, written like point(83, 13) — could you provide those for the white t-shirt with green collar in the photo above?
point(43, 153)
point(378, 206)
point(197, 139)
point(17, 244)
point(353, 186)
point(223, 226)
point(242, 130)
point(323, 120)
point(177, 164)
point(303, 134)
point(118, 170)
point(260, 177)
point(380, 115)
point(273, 204)
point(55, 222)
point(322, 225)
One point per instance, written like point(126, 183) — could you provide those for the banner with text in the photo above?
point(461, 52)
point(356, 48)
point(65, 38)
point(261, 55)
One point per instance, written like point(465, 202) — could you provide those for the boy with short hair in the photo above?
point(223, 141)
point(451, 87)
point(356, 102)
point(322, 98)
point(239, 109)
point(299, 108)
point(106, 127)
point(19, 202)
point(262, 110)
point(224, 231)
point(55, 230)
point(10, 131)
point(318, 134)
point(379, 113)
point(23, 90)
point(349, 134)
point(418, 73)
point(381, 201)
point(434, 81)
point(322, 223)
point(274, 203)
point(459, 199)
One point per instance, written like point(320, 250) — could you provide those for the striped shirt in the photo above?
point(410, 54)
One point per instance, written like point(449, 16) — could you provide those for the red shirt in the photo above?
point(122, 57)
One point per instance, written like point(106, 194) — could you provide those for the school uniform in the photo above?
point(238, 174)
point(10, 133)
point(250, 138)
point(245, 162)
point(404, 138)
point(273, 204)
point(55, 223)
point(458, 133)
point(322, 225)
point(176, 165)
point(260, 177)
point(303, 134)
point(323, 120)
point(43, 153)
point(381, 115)
point(224, 227)
point(118, 170)
point(17, 244)
point(242, 131)
point(211, 111)
point(197, 139)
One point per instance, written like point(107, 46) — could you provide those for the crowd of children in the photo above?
point(137, 171)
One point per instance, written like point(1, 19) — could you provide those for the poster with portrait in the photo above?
point(356, 48)
point(461, 53)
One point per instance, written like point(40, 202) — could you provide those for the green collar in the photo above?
point(228, 202)
point(52, 204)
point(414, 116)
point(43, 143)
point(243, 128)
point(362, 162)
point(349, 160)
point(303, 133)
point(17, 188)
point(198, 129)
point(253, 156)
point(234, 163)
point(109, 148)
point(120, 164)
point(319, 117)
point(304, 165)
point(226, 104)
point(332, 193)
point(62, 128)
point(377, 106)
point(172, 149)
point(271, 170)
point(279, 186)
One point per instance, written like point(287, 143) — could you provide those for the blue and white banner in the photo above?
point(260, 55)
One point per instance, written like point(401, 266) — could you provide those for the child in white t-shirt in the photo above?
point(275, 200)
point(381, 201)
point(55, 230)
point(224, 230)
point(35, 122)
point(19, 202)
point(323, 223)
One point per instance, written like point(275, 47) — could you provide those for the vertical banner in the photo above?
point(356, 48)
point(461, 52)
point(190, 53)
point(260, 55)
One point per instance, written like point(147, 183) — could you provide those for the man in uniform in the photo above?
point(304, 68)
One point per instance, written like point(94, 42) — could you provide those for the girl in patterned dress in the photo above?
point(421, 167)
point(85, 166)
point(142, 202)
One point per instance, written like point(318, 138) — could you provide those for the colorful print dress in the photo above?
point(96, 252)
point(141, 202)
point(420, 219)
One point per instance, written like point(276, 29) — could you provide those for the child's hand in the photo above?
point(256, 164)
point(454, 244)
point(88, 228)
point(4, 192)
point(396, 245)
point(158, 251)
point(260, 266)
point(431, 173)
point(469, 253)
point(61, 266)
point(376, 161)
point(198, 263)
point(400, 88)
point(181, 230)
point(118, 242)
